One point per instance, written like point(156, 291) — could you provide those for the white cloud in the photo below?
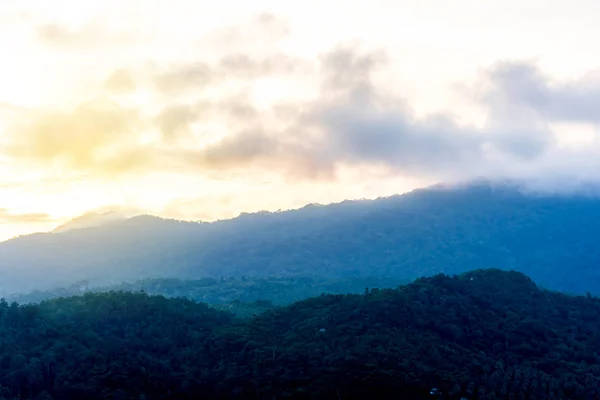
point(262, 91)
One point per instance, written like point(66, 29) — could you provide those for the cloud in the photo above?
point(120, 81)
point(87, 37)
point(244, 52)
point(242, 65)
point(10, 108)
point(184, 77)
point(193, 76)
point(353, 122)
point(260, 33)
point(174, 120)
point(523, 84)
point(244, 147)
point(238, 108)
point(93, 136)
point(11, 185)
point(357, 135)
point(362, 123)
point(7, 217)
point(346, 70)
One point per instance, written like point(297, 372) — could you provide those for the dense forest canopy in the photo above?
point(485, 334)
point(551, 238)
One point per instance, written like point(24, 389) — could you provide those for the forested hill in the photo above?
point(553, 239)
point(486, 334)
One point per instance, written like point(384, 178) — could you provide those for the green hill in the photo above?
point(485, 334)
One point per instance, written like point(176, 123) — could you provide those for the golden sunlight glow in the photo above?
point(194, 110)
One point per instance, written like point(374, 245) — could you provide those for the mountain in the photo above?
point(552, 238)
point(89, 220)
point(485, 334)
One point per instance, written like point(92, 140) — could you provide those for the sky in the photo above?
point(200, 111)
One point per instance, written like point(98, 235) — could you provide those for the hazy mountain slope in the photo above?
point(89, 220)
point(134, 248)
point(551, 238)
point(227, 291)
point(485, 334)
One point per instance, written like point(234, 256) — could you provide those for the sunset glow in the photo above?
point(189, 110)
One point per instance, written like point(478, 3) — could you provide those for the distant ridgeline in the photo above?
point(243, 296)
point(485, 334)
point(551, 238)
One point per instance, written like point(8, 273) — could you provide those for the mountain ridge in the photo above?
point(523, 187)
point(424, 232)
